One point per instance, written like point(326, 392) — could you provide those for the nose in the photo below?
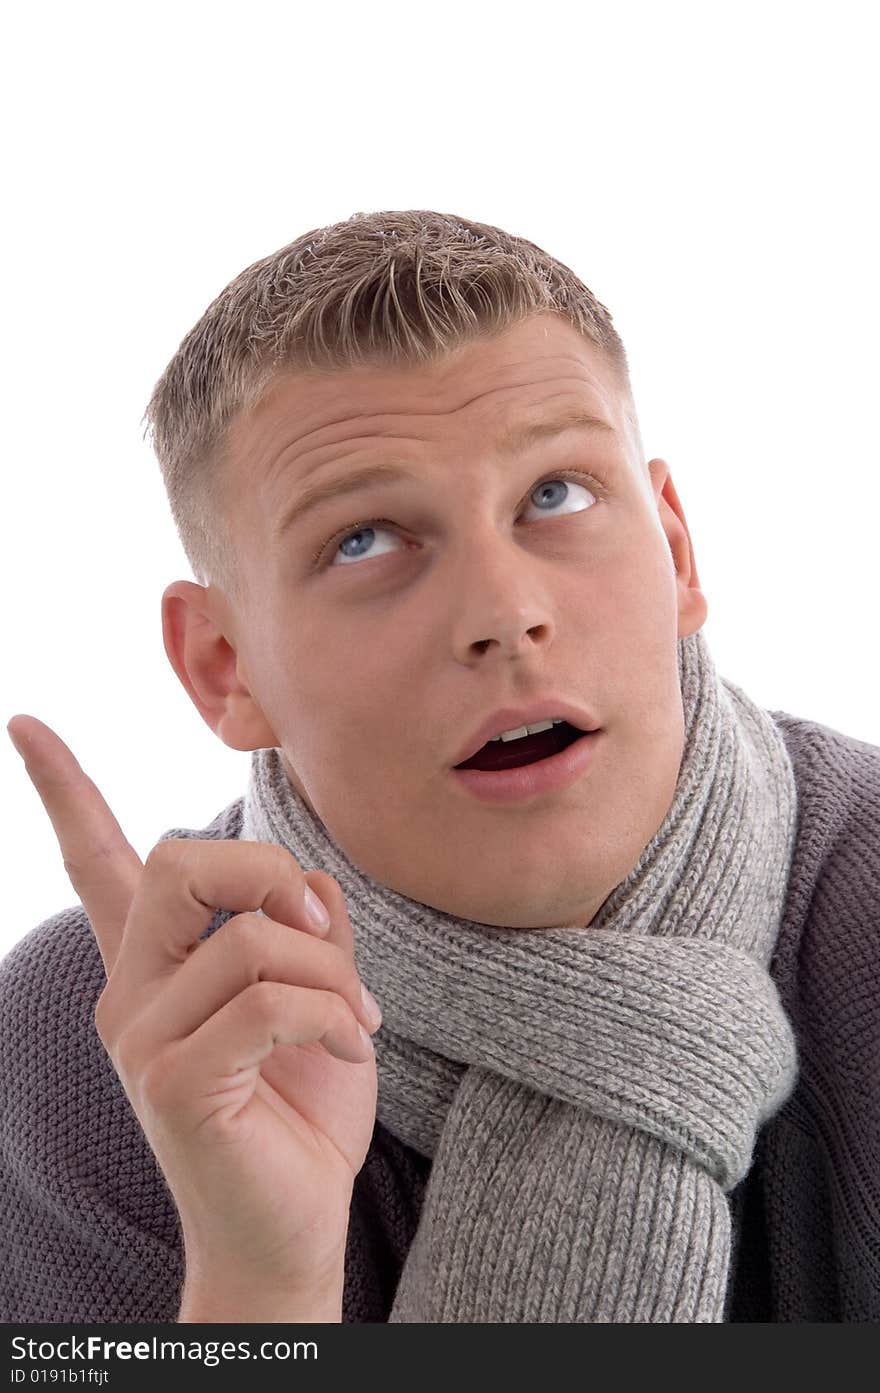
point(500, 604)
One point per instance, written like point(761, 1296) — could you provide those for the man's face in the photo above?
point(439, 598)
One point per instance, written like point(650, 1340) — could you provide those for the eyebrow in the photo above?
point(517, 439)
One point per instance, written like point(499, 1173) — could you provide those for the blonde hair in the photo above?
point(390, 288)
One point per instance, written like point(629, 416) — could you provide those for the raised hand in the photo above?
point(244, 1057)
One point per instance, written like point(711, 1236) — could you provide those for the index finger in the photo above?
point(103, 866)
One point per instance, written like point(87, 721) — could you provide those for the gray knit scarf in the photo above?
point(588, 1095)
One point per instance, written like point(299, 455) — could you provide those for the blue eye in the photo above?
point(361, 538)
point(355, 545)
point(548, 488)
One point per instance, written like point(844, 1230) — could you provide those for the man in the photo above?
point(614, 914)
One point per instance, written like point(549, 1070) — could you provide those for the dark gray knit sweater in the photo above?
point(89, 1231)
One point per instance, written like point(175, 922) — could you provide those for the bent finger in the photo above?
point(246, 1031)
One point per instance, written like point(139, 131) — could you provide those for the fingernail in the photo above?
point(371, 1006)
point(316, 910)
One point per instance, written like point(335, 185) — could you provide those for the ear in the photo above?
point(692, 605)
point(197, 632)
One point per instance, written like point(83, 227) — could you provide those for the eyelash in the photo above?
point(596, 486)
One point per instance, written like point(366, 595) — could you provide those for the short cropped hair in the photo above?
point(392, 289)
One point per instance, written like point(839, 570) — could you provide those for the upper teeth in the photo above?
point(526, 730)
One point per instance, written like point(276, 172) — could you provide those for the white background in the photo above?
point(709, 170)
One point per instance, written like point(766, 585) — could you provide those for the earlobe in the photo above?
point(207, 666)
point(692, 605)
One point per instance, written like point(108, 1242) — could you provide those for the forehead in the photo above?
point(486, 383)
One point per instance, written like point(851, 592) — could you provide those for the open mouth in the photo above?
point(528, 749)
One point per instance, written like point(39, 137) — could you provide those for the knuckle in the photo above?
point(166, 855)
point(125, 1054)
point(264, 1001)
point(284, 859)
point(288, 867)
point(246, 932)
point(96, 855)
point(159, 1080)
point(338, 1012)
point(338, 971)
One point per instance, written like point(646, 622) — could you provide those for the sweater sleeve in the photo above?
point(90, 1233)
point(808, 1214)
point(90, 1230)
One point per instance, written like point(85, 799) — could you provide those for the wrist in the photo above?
point(207, 1298)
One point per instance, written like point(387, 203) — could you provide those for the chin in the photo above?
point(515, 914)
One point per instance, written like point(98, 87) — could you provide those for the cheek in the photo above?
point(343, 742)
point(328, 689)
point(638, 660)
point(641, 578)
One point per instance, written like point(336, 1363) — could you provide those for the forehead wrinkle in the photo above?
point(517, 437)
point(520, 437)
point(391, 470)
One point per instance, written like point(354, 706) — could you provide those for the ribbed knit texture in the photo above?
point(88, 1229)
point(587, 1095)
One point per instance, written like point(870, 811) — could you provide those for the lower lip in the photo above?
point(531, 780)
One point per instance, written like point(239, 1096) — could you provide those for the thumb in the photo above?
point(330, 893)
point(341, 931)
